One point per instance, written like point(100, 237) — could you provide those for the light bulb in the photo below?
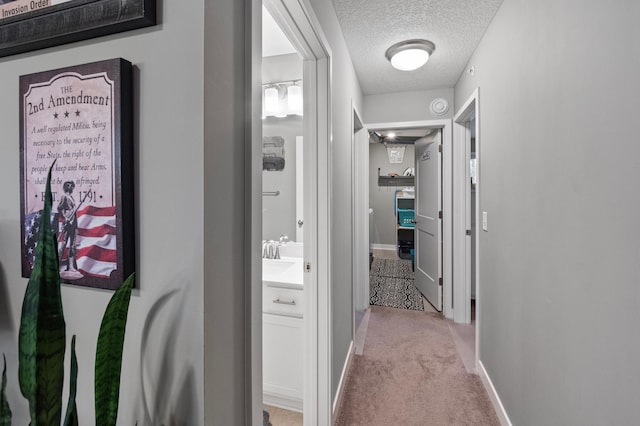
point(271, 103)
point(294, 99)
point(410, 59)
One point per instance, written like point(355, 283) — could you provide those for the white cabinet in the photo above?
point(282, 347)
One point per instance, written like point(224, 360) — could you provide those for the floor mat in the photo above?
point(395, 293)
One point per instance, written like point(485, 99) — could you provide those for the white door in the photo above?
point(428, 217)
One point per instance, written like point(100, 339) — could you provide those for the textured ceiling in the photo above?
point(371, 26)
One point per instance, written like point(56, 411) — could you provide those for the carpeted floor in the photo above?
point(391, 284)
point(410, 374)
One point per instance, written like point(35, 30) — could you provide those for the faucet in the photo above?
point(270, 250)
point(284, 239)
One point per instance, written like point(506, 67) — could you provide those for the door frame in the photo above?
point(360, 204)
point(299, 23)
point(462, 273)
point(447, 214)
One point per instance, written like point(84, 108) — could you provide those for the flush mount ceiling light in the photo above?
point(409, 55)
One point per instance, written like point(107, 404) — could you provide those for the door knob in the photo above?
point(300, 222)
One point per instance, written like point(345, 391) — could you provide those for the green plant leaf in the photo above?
point(71, 418)
point(109, 355)
point(42, 329)
point(5, 411)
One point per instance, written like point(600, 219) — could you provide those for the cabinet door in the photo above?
point(282, 357)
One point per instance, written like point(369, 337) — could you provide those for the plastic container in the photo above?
point(405, 218)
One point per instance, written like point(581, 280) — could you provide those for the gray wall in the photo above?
point(382, 198)
point(559, 161)
point(405, 106)
point(345, 87)
point(279, 213)
point(233, 213)
point(163, 348)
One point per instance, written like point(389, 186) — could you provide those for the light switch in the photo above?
point(484, 221)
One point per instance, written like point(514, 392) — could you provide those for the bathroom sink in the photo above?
point(282, 271)
point(275, 266)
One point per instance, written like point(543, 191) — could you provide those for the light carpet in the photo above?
point(410, 374)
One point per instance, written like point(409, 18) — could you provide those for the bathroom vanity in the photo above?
point(283, 332)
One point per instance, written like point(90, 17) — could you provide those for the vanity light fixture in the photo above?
point(409, 55)
point(281, 99)
point(294, 99)
point(271, 101)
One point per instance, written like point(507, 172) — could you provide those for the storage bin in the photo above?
point(404, 249)
point(405, 218)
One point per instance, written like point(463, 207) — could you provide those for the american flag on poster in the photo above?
point(95, 241)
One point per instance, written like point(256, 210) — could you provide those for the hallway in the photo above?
point(411, 374)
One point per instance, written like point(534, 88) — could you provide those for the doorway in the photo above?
point(360, 226)
point(282, 239)
point(467, 297)
point(398, 241)
point(307, 318)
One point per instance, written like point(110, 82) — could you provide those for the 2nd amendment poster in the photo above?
point(75, 117)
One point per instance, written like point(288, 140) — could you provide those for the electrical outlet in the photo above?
point(484, 221)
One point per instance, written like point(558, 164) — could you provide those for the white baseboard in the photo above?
point(384, 247)
point(340, 391)
point(493, 395)
point(282, 401)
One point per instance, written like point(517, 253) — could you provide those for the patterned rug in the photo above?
point(391, 284)
point(392, 268)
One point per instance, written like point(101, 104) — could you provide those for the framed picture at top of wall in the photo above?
point(80, 120)
point(27, 25)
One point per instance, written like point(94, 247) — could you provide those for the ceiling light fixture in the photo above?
point(409, 55)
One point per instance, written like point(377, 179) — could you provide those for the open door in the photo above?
point(428, 217)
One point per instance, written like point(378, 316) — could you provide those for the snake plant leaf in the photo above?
point(109, 355)
point(71, 418)
point(42, 329)
point(5, 411)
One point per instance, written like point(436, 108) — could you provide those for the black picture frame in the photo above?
point(72, 21)
point(61, 116)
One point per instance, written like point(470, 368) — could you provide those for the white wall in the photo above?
point(281, 68)
point(559, 161)
point(345, 87)
point(163, 348)
point(279, 213)
point(405, 106)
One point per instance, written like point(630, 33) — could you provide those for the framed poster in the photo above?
point(81, 118)
point(27, 25)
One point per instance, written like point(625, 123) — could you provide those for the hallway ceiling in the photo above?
point(370, 27)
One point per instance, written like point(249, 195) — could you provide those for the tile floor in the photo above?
point(282, 417)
